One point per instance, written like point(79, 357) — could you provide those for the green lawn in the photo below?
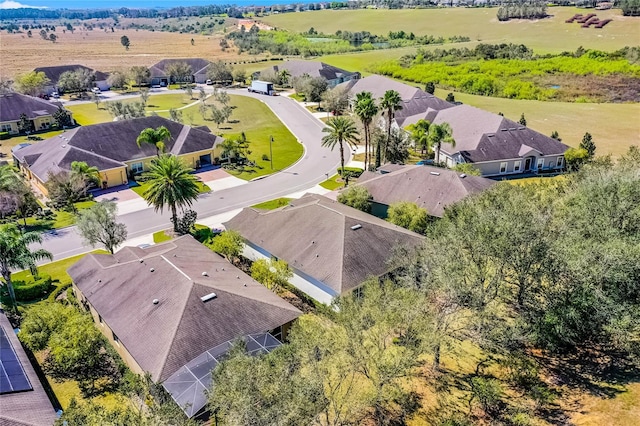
point(160, 237)
point(273, 204)
point(142, 187)
point(480, 24)
point(7, 144)
point(56, 270)
point(86, 114)
point(333, 183)
point(61, 219)
point(258, 123)
point(614, 127)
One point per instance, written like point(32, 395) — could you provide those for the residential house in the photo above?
point(39, 112)
point(54, 73)
point(333, 75)
point(431, 188)
point(112, 148)
point(174, 309)
point(160, 77)
point(23, 400)
point(495, 145)
point(331, 248)
point(414, 100)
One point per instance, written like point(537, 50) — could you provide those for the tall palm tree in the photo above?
point(16, 254)
point(390, 103)
point(365, 108)
point(439, 134)
point(155, 137)
point(86, 173)
point(171, 185)
point(284, 77)
point(340, 129)
point(420, 134)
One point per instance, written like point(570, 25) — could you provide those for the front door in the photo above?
point(527, 164)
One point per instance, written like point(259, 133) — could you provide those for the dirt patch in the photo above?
point(593, 88)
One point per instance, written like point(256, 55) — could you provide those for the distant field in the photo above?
point(102, 50)
point(614, 126)
point(480, 24)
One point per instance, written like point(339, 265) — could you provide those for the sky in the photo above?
point(109, 4)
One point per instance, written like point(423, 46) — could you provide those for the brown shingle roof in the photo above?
point(163, 337)
point(483, 136)
point(109, 145)
point(53, 73)
point(30, 408)
point(314, 236)
point(312, 68)
point(14, 104)
point(432, 188)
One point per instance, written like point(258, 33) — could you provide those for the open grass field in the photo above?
point(480, 24)
point(258, 123)
point(614, 127)
point(86, 114)
point(103, 51)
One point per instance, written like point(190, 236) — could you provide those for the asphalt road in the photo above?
point(311, 169)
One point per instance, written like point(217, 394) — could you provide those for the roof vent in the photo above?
point(504, 130)
point(63, 146)
point(99, 281)
point(463, 176)
point(141, 260)
point(354, 227)
point(435, 173)
point(208, 297)
point(205, 274)
point(151, 270)
point(490, 135)
point(222, 269)
point(512, 128)
point(156, 301)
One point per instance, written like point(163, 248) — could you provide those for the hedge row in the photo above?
point(32, 290)
point(355, 171)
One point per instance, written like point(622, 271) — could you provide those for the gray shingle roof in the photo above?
point(314, 235)
point(31, 408)
point(109, 145)
point(53, 73)
point(198, 66)
point(313, 68)
point(14, 104)
point(165, 336)
point(483, 136)
point(421, 185)
point(414, 100)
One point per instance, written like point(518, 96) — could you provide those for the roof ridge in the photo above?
point(91, 152)
point(177, 145)
point(165, 356)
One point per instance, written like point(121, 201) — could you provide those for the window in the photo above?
point(115, 338)
point(5, 128)
point(540, 163)
point(137, 168)
point(503, 167)
point(560, 161)
point(517, 165)
point(100, 320)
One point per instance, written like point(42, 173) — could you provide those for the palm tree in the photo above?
point(88, 174)
point(154, 137)
point(420, 134)
point(390, 102)
point(340, 129)
point(171, 184)
point(16, 254)
point(365, 108)
point(284, 77)
point(439, 134)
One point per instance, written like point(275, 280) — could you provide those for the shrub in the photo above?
point(265, 157)
point(58, 291)
point(4, 135)
point(354, 172)
point(202, 234)
point(26, 292)
point(357, 197)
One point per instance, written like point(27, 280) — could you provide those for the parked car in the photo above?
point(209, 83)
point(55, 95)
point(96, 90)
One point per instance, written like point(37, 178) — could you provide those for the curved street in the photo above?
point(312, 168)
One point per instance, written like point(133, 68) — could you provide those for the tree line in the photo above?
point(529, 276)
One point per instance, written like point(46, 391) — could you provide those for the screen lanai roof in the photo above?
point(189, 385)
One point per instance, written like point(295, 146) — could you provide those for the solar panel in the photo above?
point(12, 375)
point(188, 385)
